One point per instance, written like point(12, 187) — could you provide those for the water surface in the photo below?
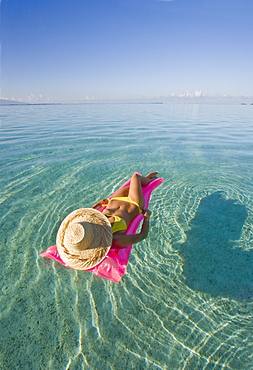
point(186, 301)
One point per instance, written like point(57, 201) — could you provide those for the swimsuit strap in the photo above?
point(105, 204)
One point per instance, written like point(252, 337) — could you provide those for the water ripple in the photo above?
point(175, 308)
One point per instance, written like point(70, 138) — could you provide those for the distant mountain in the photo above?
point(10, 102)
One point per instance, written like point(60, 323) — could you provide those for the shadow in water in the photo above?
point(212, 261)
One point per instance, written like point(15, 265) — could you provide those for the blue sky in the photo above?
point(73, 50)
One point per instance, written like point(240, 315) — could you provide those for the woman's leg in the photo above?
point(136, 184)
point(135, 191)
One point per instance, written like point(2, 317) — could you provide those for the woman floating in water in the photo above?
point(125, 205)
point(86, 235)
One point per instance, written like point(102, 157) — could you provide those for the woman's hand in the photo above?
point(123, 241)
point(146, 213)
point(100, 203)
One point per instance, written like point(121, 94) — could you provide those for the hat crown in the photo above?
point(84, 238)
point(79, 235)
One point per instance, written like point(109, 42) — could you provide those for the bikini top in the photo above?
point(120, 223)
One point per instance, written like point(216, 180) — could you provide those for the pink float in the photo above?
point(113, 266)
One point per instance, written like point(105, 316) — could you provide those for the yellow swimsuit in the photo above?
point(125, 199)
point(120, 223)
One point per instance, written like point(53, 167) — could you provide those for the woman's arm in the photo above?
point(123, 241)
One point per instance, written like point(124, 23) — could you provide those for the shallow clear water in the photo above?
point(186, 301)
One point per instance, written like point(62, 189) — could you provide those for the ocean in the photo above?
point(186, 301)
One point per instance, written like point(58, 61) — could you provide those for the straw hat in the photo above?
point(84, 238)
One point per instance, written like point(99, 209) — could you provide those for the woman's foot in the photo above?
point(152, 175)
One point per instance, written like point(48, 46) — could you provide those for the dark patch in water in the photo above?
point(212, 261)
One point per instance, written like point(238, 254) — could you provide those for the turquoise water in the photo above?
point(186, 301)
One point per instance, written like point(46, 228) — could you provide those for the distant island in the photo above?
point(11, 102)
point(14, 102)
point(207, 99)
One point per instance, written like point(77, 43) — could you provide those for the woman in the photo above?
point(126, 204)
point(86, 235)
